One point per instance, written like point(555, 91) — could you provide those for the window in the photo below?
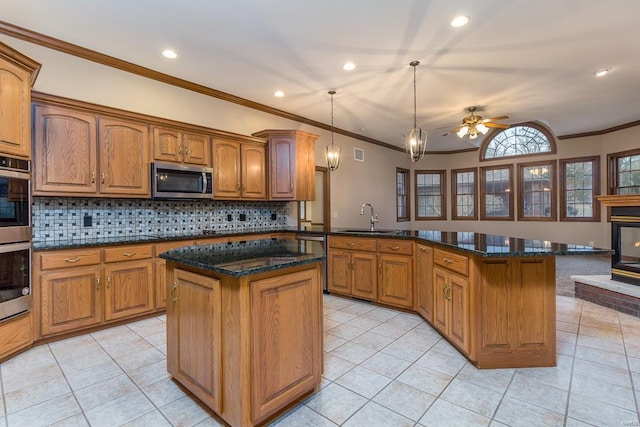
point(402, 195)
point(624, 172)
point(519, 140)
point(536, 190)
point(579, 186)
point(496, 202)
point(430, 201)
point(464, 202)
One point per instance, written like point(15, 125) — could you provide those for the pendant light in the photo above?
point(332, 152)
point(415, 139)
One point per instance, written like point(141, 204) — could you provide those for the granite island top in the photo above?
point(486, 245)
point(239, 259)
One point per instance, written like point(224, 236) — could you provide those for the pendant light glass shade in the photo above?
point(415, 139)
point(332, 151)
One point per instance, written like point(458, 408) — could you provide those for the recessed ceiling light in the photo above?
point(459, 21)
point(603, 71)
point(349, 66)
point(168, 53)
point(278, 94)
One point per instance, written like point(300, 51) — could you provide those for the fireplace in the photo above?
point(625, 240)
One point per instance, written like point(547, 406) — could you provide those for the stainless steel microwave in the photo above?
point(173, 181)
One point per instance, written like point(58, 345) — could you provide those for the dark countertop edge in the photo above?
point(399, 234)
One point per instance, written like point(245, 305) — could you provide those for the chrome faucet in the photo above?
point(374, 217)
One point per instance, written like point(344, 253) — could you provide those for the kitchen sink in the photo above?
point(367, 231)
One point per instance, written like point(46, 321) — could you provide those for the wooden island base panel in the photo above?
point(244, 326)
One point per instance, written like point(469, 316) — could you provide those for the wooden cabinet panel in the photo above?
point(124, 157)
point(286, 339)
point(127, 253)
point(283, 164)
point(424, 281)
point(456, 262)
point(396, 280)
point(364, 275)
point(167, 145)
point(353, 243)
point(253, 161)
point(399, 247)
point(128, 289)
point(172, 145)
point(226, 169)
point(16, 334)
point(15, 117)
point(69, 258)
point(70, 299)
point(194, 357)
point(458, 295)
point(64, 151)
point(339, 272)
point(495, 306)
point(160, 281)
point(197, 148)
point(440, 303)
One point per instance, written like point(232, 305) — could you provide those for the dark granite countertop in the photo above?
point(239, 259)
point(487, 245)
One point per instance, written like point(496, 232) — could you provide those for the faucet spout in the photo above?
point(374, 217)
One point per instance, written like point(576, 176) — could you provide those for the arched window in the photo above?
point(520, 140)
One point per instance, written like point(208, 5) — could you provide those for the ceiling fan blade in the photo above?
point(496, 118)
point(497, 125)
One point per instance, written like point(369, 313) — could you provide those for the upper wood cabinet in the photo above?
point(175, 146)
point(292, 161)
point(239, 169)
point(17, 74)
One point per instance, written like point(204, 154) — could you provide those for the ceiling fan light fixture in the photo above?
point(480, 127)
point(473, 134)
point(463, 131)
point(332, 152)
point(415, 139)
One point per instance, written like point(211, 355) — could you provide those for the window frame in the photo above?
point(443, 195)
point(612, 168)
point(454, 194)
point(553, 216)
point(595, 189)
point(407, 194)
point(483, 202)
point(546, 132)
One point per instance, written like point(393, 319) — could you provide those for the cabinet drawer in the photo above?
point(75, 258)
point(355, 243)
point(455, 262)
point(403, 247)
point(127, 253)
point(167, 246)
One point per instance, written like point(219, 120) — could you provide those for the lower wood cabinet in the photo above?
point(353, 273)
point(396, 280)
point(128, 289)
point(451, 309)
point(424, 281)
point(16, 334)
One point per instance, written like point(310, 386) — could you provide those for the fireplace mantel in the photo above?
point(618, 200)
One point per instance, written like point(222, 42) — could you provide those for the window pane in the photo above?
point(628, 175)
point(579, 185)
point(402, 194)
point(537, 190)
point(517, 141)
point(497, 193)
point(465, 190)
point(429, 197)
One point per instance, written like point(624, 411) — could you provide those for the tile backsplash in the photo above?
point(63, 218)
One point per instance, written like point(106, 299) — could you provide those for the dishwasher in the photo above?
point(322, 239)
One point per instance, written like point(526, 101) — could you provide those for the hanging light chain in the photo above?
point(332, 92)
point(414, 64)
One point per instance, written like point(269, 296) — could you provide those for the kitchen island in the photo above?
point(244, 325)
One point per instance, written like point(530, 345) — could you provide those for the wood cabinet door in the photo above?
point(286, 341)
point(424, 282)
point(64, 156)
point(160, 288)
point(227, 179)
point(197, 148)
point(128, 289)
point(195, 315)
point(15, 334)
point(15, 110)
point(253, 171)
point(282, 152)
point(440, 303)
point(124, 158)
point(70, 299)
point(339, 272)
point(167, 145)
point(396, 280)
point(364, 275)
point(459, 311)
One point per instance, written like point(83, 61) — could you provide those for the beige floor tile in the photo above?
point(568, 337)
point(336, 403)
point(104, 391)
point(85, 361)
point(149, 374)
point(385, 364)
point(424, 379)
point(74, 347)
point(406, 320)
point(597, 413)
point(543, 395)
point(340, 316)
point(374, 415)
point(114, 336)
point(571, 422)
point(559, 376)
point(147, 327)
point(568, 317)
point(336, 302)
point(137, 360)
point(566, 326)
point(34, 394)
point(335, 367)
point(601, 356)
point(364, 323)
point(163, 392)
point(380, 313)
point(19, 379)
point(601, 344)
point(404, 351)
point(443, 346)
point(329, 324)
point(419, 340)
point(493, 379)
point(480, 400)
point(120, 411)
point(373, 341)
point(37, 357)
point(46, 413)
point(516, 413)
point(565, 348)
point(604, 373)
point(332, 342)
point(442, 362)
point(77, 420)
point(354, 353)
point(614, 334)
point(346, 331)
point(157, 340)
point(391, 330)
point(212, 421)
point(359, 308)
point(445, 414)
point(138, 345)
point(302, 416)
point(363, 381)
point(634, 363)
point(152, 419)
point(405, 400)
point(94, 374)
point(595, 388)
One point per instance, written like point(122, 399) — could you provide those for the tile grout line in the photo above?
point(573, 362)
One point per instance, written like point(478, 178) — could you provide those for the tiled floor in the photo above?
point(382, 368)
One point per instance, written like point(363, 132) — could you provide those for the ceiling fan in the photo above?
point(474, 125)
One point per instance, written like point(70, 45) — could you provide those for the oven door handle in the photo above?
point(13, 247)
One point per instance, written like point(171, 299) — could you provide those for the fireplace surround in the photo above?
point(625, 241)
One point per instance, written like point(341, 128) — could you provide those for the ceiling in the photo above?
point(530, 60)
